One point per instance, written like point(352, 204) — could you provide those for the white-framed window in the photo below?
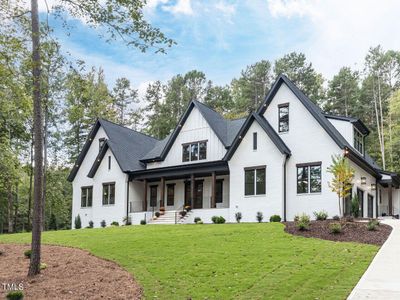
point(254, 181)
point(309, 178)
point(194, 151)
point(358, 141)
point(86, 196)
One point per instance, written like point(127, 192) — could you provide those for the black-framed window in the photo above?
point(358, 141)
point(283, 111)
point(86, 196)
point(194, 151)
point(219, 191)
point(309, 178)
point(109, 193)
point(101, 143)
point(254, 181)
point(254, 140)
point(170, 194)
point(109, 162)
point(153, 195)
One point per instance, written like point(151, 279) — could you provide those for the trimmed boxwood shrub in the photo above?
point(15, 295)
point(114, 223)
point(28, 253)
point(91, 224)
point(335, 228)
point(218, 219)
point(275, 218)
point(238, 216)
point(183, 213)
point(103, 223)
point(259, 216)
point(143, 222)
point(197, 219)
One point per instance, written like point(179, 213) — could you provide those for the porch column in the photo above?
point(145, 196)
point(191, 190)
point(162, 193)
point(213, 189)
point(390, 200)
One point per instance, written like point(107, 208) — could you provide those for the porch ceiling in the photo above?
point(182, 171)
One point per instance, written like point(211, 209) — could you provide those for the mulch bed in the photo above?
point(351, 232)
point(70, 274)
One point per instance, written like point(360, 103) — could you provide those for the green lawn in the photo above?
point(230, 261)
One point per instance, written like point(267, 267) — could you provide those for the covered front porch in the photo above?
point(201, 186)
point(389, 195)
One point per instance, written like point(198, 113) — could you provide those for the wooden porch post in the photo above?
point(145, 196)
point(390, 200)
point(192, 190)
point(162, 194)
point(213, 189)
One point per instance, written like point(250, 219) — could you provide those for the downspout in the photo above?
point(284, 187)
point(376, 198)
point(127, 200)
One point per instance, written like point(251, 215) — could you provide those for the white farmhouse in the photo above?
point(274, 161)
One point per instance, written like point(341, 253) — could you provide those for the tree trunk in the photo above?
point(34, 267)
point(340, 208)
point(45, 141)
point(10, 208)
point(16, 208)
point(29, 225)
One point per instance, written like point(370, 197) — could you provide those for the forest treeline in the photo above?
point(75, 95)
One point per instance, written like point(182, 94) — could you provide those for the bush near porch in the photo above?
point(226, 261)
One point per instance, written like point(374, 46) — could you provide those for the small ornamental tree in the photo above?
point(78, 223)
point(341, 182)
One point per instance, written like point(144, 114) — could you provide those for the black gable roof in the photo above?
point(127, 145)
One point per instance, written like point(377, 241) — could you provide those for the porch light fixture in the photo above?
point(373, 187)
point(346, 151)
point(363, 180)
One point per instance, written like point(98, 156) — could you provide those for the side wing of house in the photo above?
point(102, 195)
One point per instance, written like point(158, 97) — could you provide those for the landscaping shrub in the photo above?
point(371, 226)
point(275, 218)
point(376, 222)
point(53, 222)
point(28, 253)
point(103, 223)
point(183, 213)
point(143, 222)
point(238, 216)
point(355, 206)
point(259, 216)
point(91, 224)
point(335, 228)
point(197, 219)
point(200, 222)
point(78, 223)
point(296, 218)
point(303, 222)
point(302, 226)
point(43, 266)
point(15, 295)
point(114, 223)
point(188, 208)
point(321, 215)
point(157, 214)
point(336, 218)
point(218, 219)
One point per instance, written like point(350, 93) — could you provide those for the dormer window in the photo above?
point(283, 114)
point(358, 141)
point(101, 143)
point(194, 151)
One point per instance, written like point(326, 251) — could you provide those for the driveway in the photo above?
point(382, 278)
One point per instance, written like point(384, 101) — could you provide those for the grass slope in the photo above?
point(230, 261)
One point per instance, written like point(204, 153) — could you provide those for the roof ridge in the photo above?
point(210, 108)
point(102, 119)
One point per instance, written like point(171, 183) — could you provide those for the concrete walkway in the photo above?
point(382, 278)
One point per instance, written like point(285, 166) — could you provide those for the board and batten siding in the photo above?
point(308, 143)
point(196, 128)
point(98, 211)
point(267, 154)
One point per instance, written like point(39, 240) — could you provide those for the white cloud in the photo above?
point(340, 32)
point(181, 7)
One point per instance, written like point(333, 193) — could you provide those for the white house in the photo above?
point(274, 161)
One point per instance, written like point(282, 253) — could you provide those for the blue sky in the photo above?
point(221, 37)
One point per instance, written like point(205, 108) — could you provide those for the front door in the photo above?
point(153, 196)
point(370, 206)
point(198, 194)
point(347, 204)
point(360, 194)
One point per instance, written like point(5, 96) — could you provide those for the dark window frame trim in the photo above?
point(255, 167)
point(262, 167)
point(308, 165)
point(362, 140)
point(255, 141)
point(279, 117)
point(194, 142)
point(86, 187)
point(102, 193)
point(190, 151)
